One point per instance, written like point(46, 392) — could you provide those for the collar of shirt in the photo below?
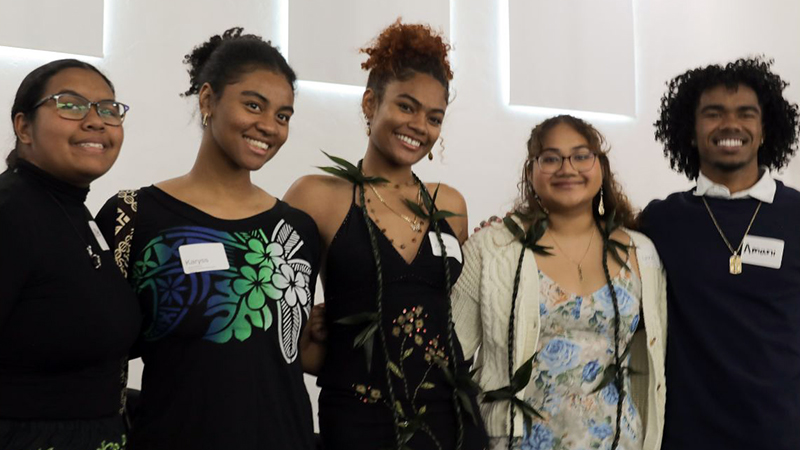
point(763, 190)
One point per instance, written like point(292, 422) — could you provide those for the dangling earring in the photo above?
point(369, 129)
point(205, 120)
point(430, 155)
point(601, 207)
point(539, 201)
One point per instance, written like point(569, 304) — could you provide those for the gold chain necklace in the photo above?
point(735, 262)
point(579, 263)
point(414, 224)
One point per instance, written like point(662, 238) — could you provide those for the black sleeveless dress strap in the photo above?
point(355, 411)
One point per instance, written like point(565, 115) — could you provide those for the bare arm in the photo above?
point(312, 341)
point(450, 199)
point(321, 197)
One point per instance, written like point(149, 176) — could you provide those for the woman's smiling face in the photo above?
point(406, 122)
point(567, 188)
point(75, 151)
point(249, 121)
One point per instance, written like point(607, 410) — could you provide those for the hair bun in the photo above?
point(403, 46)
point(200, 55)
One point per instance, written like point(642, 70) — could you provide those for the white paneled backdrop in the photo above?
point(516, 62)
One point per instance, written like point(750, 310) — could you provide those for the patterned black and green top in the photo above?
point(220, 346)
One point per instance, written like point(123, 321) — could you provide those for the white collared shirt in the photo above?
point(763, 190)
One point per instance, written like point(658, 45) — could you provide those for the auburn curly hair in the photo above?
point(403, 50)
point(613, 197)
point(676, 126)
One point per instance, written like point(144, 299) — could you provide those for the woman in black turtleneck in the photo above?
point(67, 316)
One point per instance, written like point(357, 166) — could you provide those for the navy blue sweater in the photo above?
point(733, 349)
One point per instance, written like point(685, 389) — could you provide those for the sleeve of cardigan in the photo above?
point(662, 303)
point(465, 297)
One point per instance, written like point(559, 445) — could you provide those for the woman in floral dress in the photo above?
point(555, 295)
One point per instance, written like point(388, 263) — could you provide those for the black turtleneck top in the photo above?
point(65, 326)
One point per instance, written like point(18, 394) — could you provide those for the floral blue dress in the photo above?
point(576, 344)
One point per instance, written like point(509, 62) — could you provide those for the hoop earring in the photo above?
point(601, 208)
point(205, 120)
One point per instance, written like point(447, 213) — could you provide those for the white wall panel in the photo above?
point(74, 27)
point(575, 55)
point(324, 36)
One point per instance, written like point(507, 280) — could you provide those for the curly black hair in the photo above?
point(676, 126)
point(223, 59)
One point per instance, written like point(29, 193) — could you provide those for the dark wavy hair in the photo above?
point(31, 91)
point(616, 207)
point(675, 127)
point(221, 60)
point(613, 197)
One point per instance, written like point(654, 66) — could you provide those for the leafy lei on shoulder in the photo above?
point(519, 379)
point(352, 173)
point(406, 424)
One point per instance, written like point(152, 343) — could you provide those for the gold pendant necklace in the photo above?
point(414, 224)
point(735, 261)
point(579, 263)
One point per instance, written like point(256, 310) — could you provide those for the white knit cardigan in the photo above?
point(481, 308)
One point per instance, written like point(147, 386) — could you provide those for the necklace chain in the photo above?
point(578, 263)
point(414, 224)
point(735, 262)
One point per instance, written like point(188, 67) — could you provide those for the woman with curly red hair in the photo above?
point(394, 372)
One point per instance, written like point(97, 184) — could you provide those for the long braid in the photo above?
point(450, 341)
point(517, 277)
point(618, 380)
point(379, 302)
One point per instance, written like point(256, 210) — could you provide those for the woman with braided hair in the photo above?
point(554, 297)
point(393, 373)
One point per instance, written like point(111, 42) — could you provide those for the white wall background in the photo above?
point(144, 42)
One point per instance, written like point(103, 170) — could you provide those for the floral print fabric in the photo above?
point(576, 344)
point(265, 270)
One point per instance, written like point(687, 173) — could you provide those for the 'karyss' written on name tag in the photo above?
point(203, 257)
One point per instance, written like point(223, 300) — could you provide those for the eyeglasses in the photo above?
point(551, 162)
point(76, 107)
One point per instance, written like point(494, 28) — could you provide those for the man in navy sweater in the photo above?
point(731, 248)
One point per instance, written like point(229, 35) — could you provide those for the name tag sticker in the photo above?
point(98, 235)
point(203, 257)
point(451, 245)
point(762, 251)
